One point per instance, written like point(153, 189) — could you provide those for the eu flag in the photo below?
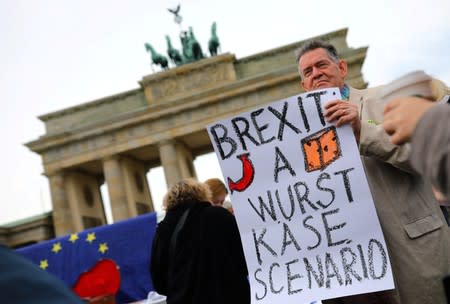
point(127, 242)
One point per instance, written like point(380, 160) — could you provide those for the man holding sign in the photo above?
point(305, 214)
point(418, 241)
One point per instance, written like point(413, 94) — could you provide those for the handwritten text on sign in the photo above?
point(302, 202)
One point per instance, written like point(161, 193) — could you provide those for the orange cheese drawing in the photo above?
point(321, 149)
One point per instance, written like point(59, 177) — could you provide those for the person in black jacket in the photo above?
point(197, 254)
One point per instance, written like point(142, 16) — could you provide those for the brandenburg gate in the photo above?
point(117, 139)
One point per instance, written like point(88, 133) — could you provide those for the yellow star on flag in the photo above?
point(73, 237)
point(103, 247)
point(90, 237)
point(56, 247)
point(43, 264)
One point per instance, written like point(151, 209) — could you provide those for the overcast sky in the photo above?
point(58, 53)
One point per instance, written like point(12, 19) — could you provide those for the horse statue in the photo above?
point(156, 57)
point(192, 50)
point(173, 53)
point(187, 52)
point(195, 46)
point(213, 43)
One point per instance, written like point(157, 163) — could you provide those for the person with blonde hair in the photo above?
point(197, 254)
point(218, 190)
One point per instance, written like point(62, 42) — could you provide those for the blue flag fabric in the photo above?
point(127, 242)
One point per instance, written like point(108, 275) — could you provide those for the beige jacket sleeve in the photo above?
point(374, 141)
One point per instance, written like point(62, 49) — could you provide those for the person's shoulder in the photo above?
point(363, 95)
point(218, 216)
point(366, 91)
point(220, 222)
point(218, 211)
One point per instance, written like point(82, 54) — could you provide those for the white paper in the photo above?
point(332, 247)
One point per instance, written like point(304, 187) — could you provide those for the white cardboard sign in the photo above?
point(302, 203)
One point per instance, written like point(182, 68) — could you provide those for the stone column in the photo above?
point(116, 188)
point(136, 185)
point(62, 217)
point(169, 161)
point(186, 161)
point(85, 200)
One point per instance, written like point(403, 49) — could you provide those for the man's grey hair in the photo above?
point(316, 44)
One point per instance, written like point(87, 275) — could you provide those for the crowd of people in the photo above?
point(197, 254)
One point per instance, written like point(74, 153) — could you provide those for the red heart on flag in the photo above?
point(101, 280)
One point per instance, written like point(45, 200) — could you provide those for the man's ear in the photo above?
point(343, 68)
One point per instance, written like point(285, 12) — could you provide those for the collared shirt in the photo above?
point(345, 92)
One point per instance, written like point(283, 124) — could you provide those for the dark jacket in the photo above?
point(208, 265)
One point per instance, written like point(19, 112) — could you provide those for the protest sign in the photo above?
point(302, 203)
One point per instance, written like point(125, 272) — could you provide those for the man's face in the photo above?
point(319, 71)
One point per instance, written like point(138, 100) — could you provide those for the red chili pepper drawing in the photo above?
point(248, 173)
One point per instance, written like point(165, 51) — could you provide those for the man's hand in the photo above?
point(343, 112)
point(401, 117)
